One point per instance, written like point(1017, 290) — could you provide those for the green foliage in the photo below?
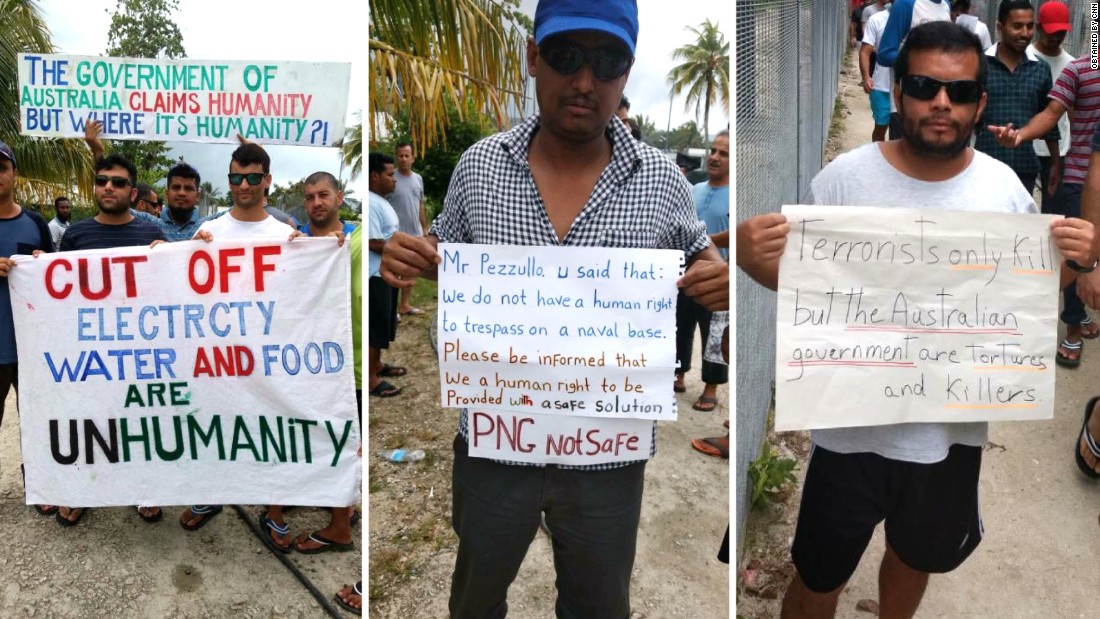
point(703, 72)
point(687, 135)
point(768, 474)
point(145, 29)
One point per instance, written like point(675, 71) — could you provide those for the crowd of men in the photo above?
point(966, 113)
point(131, 214)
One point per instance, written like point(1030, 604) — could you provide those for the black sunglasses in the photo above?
point(151, 203)
point(118, 181)
point(565, 57)
point(927, 88)
point(254, 178)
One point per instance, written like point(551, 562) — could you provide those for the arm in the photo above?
point(1088, 285)
point(1039, 125)
point(897, 26)
point(760, 243)
point(722, 239)
point(92, 129)
point(406, 257)
point(865, 66)
point(423, 218)
point(707, 280)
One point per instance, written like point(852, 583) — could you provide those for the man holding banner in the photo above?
point(566, 176)
point(920, 478)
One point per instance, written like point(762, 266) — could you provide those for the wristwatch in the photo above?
point(1080, 269)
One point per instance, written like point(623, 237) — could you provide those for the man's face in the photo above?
point(7, 178)
point(383, 183)
point(323, 203)
point(623, 113)
point(939, 128)
point(148, 203)
point(114, 199)
point(405, 159)
point(1017, 29)
point(63, 211)
point(576, 107)
point(1050, 41)
point(182, 194)
point(718, 161)
point(247, 195)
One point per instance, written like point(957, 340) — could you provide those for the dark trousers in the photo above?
point(1052, 204)
point(593, 518)
point(1028, 180)
point(9, 379)
point(688, 315)
point(1073, 308)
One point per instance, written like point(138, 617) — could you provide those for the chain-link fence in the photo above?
point(1077, 41)
point(788, 63)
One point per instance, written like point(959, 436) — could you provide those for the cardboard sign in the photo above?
point(190, 373)
point(302, 103)
point(557, 439)
point(889, 315)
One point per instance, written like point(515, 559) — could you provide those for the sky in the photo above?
point(319, 31)
point(661, 29)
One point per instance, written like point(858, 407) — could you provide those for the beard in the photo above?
point(63, 218)
point(911, 133)
point(121, 205)
point(179, 213)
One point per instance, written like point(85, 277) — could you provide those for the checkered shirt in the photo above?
point(1014, 97)
point(641, 200)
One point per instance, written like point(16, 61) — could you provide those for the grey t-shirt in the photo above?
point(863, 177)
point(405, 200)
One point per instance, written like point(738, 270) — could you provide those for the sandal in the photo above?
point(65, 522)
point(326, 545)
point(46, 510)
point(1090, 443)
point(1069, 354)
point(282, 531)
point(705, 404)
point(391, 371)
point(1089, 329)
point(150, 518)
point(385, 390)
point(717, 446)
point(678, 385)
point(356, 589)
point(206, 513)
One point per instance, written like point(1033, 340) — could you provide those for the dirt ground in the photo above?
point(412, 547)
point(1040, 514)
point(115, 565)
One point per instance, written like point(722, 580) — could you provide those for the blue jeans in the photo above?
point(1073, 308)
point(593, 517)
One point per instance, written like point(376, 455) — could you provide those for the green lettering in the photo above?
point(128, 438)
point(305, 438)
point(193, 429)
point(133, 396)
point(240, 429)
point(338, 445)
point(278, 444)
point(177, 425)
point(179, 398)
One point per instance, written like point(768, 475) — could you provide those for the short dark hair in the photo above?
point(624, 102)
point(251, 154)
point(401, 145)
point(319, 177)
point(941, 36)
point(635, 130)
point(1007, 6)
point(963, 6)
point(58, 200)
point(115, 160)
point(377, 162)
point(143, 191)
point(182, 170)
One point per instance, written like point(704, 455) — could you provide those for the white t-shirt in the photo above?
point(863, 177)
point(870, 11)
point(1057, 63)
point(978, 27)
point(227, 227)
point(872, 35)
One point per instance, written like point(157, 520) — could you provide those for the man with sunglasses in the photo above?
point(1018, 86)
point(568, 176)
point(920, 478)
point(115, 225)
point(147, 200)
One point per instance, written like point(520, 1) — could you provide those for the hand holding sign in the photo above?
point(406, 257)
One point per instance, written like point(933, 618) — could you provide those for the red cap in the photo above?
point(1054, 17)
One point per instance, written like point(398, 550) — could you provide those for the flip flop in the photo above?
point(282, 531)
point(678, 386)
point(391, 371)
point(713, 402)
point(48, 511)
point(712, 446)
point(413, 311)
point(65, 522)
point(207, 513)
point(385, 390)
point(1090, 443)
point(326, 545)
point(1090, 330)
point(1065, 360)
point(150, 519)
point(357, 589)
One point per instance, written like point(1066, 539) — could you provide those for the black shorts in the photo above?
point(931, 513)
point(381, 313)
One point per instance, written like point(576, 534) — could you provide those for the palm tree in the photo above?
point(351, 151)
point(425, 55)
point(704, 72)
point(46, 167)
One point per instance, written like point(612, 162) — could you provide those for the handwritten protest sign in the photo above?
point(559, 331)
point(903, 315)
point(188, 373)
point(557, 439)
point(302, 103)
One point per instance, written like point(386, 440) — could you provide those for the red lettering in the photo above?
point(208, 285)
point(67, 288)
point(259, 266)
point(202, 364)
point(85, 284)
point(226, 268)
point(128, 265)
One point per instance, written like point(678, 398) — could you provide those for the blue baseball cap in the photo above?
point(618, 18)
point(5, 152)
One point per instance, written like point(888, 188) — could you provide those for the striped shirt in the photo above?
point(90, 234)
point(1078, 90)
point(641, 200)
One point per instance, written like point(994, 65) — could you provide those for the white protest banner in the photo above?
point(190, 373)
point(557, 439)
point(302, 103)
point(889, 315)
point(568, 330)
